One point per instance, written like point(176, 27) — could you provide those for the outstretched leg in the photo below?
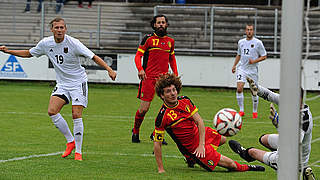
point(235, 166)
point(251, 154)
point(263, 92)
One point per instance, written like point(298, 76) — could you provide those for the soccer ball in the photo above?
point(227, 122)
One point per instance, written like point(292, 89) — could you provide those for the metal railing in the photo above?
point(208, 32)
point(212, 10)
point(97, 32)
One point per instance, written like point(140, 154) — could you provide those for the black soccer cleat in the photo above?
point(189, 162)
point(256, 168)
point(135, 138)
point(243, 152)
point(164, 142)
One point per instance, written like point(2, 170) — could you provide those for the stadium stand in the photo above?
point(124, 24)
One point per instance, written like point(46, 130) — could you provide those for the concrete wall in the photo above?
point(195, 71)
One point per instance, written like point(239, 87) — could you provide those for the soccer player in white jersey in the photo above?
point(250, 52)
point(270, 141)
point(64, 52)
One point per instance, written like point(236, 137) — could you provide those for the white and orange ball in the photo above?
point(227, 122)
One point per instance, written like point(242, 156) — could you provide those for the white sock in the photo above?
point(255, 102)
point(78, 133)
point(240, 101)
point(63, 127)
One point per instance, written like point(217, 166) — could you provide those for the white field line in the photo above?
point(315, 140)
point(125, 118)
point(315, 163)
point(315, 118)
point(31, 156)
point(312, 98)
point(113, 154)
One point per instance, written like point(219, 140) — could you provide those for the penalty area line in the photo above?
point(31, 156)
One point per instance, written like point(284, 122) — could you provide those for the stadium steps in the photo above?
point(186, 26)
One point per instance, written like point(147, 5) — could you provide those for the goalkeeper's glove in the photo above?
point(274, 116)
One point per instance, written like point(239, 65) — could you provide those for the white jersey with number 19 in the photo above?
point(65, 58)
point(250, 49)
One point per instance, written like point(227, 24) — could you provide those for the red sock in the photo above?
point(137, 122)
point(241, 167)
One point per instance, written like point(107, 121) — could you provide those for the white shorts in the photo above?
point(242, 76)
point(273, 140)
point(271, 159)
point(77, 94)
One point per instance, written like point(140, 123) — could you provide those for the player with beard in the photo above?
point(157, 50)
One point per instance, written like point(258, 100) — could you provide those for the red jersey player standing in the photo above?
point(157, 50)
point(180, 118)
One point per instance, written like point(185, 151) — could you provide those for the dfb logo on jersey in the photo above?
point(12, 68)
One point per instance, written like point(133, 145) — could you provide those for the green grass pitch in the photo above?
point(26, 132)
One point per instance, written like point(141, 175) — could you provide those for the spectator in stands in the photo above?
point(157, 50)
point(27, 9)
point(64, 52)
point(81, 6)
point(250, 52)
point(58, 6)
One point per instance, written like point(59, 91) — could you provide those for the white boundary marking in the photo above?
point(124, 118)
point(315, 140)
point(315, 163)
point(31, 156)
point(312, 98)
point(116, 154)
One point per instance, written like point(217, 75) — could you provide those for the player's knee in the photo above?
point(52, 112)
point(143, 111)
point(239, 90)
point(263, 139)
point(76, 115)
point(223, 140)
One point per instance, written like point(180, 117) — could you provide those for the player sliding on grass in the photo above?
point(270, 141)
point(180, 118)
point(64, 52)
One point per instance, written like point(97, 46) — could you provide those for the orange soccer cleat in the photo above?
point(78, 156)
point(254, 115)
point(70, 147)
point(241, 113)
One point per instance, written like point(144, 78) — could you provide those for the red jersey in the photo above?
point(179, 124)
point(157, 53)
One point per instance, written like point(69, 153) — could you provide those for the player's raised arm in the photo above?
point(158, 155)
point(20, 53)
point(101, 63)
